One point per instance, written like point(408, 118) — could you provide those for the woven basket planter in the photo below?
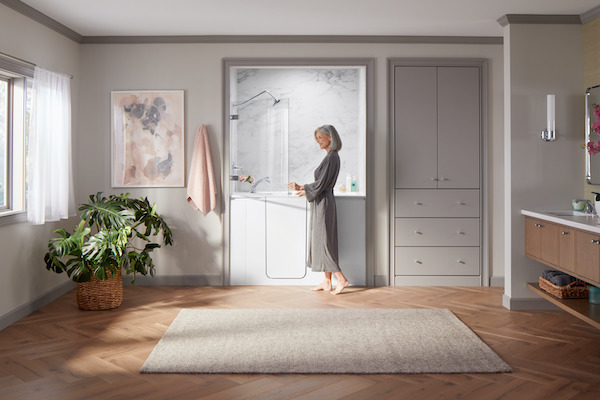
point(100, 295)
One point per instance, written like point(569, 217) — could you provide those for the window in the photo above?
point(14, 76)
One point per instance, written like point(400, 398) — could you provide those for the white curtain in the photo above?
point(50, 183)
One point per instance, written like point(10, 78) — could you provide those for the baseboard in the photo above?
point(20, 312)
point(497, 281)
point(381, 280)
point(527, 304)
point(176, 280)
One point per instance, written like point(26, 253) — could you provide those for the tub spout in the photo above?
point(258, 182)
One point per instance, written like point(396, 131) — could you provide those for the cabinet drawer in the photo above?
point(437, 232)
point(437, 203)
point(437, 261)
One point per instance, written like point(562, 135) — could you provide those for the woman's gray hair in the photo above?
point(329, 130)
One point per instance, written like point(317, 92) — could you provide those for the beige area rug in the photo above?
point(321, 341)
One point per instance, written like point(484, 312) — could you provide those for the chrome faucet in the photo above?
point(258, 182)
point(589, 207)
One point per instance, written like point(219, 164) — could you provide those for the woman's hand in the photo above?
point(294, 186)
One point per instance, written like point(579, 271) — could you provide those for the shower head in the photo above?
point(275, 100)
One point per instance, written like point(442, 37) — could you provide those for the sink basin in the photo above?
point(568, 213)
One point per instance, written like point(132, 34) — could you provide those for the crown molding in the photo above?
point(43, 19)
point(590, 15)
point(539, 19)
point(291, 39)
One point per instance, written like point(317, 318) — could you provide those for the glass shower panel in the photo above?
point(259, 146)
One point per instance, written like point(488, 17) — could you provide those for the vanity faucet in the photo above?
point(589, 206)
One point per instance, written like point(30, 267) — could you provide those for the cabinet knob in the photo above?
point(595, 241)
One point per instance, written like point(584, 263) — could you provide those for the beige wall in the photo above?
point(539, 59)
point(22, 246)
point(196, 68)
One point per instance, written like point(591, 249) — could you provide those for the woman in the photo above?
point(323, 246)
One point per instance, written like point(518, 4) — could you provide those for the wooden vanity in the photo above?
point(568, 243)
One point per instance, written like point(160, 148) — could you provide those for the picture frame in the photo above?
point(147, 138)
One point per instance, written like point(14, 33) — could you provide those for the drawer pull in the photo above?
point(418, 233)
point(564, 233)
point(419, 261)
point(444, 179)
point(434, 179)
point(460, 203)
point(460, 262)
point(460, 232)
point(538, 225)
point(418, 203)
point(595, 241)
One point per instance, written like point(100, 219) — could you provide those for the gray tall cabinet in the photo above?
point(438, 168)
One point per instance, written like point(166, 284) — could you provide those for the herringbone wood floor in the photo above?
point(62, 353)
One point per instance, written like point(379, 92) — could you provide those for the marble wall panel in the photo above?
point(264, 145)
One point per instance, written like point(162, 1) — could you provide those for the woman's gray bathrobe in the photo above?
point(323, 245)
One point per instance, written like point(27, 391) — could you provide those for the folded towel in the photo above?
point(558, 278)
point(201, 189)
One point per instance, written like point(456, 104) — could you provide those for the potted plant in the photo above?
point(115, 235)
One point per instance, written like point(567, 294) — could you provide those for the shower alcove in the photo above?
point(272, 108)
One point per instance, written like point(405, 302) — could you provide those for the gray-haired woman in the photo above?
point(323, 245)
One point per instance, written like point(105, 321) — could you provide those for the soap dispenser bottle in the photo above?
point(348, 183)
point(354, 184)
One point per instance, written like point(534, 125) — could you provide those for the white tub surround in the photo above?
point(269, 240)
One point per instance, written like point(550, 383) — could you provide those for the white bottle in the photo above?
point(348, 183)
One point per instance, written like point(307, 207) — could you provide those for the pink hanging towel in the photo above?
point(201, 189)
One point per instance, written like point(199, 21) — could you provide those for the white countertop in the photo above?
point(589, 223)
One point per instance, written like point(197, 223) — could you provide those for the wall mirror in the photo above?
point(592, 135)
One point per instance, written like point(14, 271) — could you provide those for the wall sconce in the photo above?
point(549, 134)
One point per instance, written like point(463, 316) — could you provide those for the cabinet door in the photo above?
point(533, 236)
point(415, 127)
point(587, 256)
point(566, 248)
point(541, 240)
point(458, 127)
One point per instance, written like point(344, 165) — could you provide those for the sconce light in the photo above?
point(549, 134)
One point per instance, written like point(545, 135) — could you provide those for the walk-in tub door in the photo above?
point(286, 237)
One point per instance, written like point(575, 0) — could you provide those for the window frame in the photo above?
point(19, 75)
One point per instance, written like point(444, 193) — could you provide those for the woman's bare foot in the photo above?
point(325, 286)
point(340, 287)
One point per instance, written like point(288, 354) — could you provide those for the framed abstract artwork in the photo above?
point(147, 141)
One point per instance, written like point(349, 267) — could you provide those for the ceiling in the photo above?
point(299, 17)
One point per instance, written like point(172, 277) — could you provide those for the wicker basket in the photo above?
point(100, 295)
point(574, 290)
